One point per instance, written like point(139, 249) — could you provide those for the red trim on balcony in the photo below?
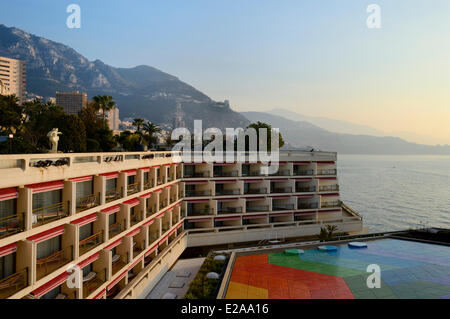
point(227, 218)
point(226, 199)
point(172, 231)
point(324, 210)
point(252, 180)
point(281, 197)
point(38, 238)
point(151, 249)
point(145, 169)
point(132, 202)
point(168, 186)
point(116, 281)
point(55, 282)
point(224, 164)
point(196, 182)
point(85, 220)
point(159, 190)
point(302, 163)
point(305, 195)
point(8, 193)
point(279, 179)
point(177, 204)
point(195, 220)
point(129, 172)
point(198, 201)
point(225, 181)
point(249, 199)
point(330, 195)
point(45, 187)
point(133, 232)
point(280, 214)
point(151, 221)
point(303, 179)
point(110, 175)
point(254, 216)
point(100, 294)
point(89, 260)
point(327, 178)
point(134, 264)
point(166, 164)
point(163, 239)
point(325, 162)
point(309, 212)
point(81, 179)
point(148, 195)
point(111, 210)
point(114, 244)
point(155, 166)
point(8, 249)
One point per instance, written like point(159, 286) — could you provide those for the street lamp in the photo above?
point(10, 142)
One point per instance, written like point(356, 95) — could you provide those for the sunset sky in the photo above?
point(315, 57)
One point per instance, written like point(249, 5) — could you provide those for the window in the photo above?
point(130, 180)
point(48, 247)
point(87, 270)
point(86, 231)
point(111, 183)
point(7, 265)
point(85, 188)
point(52, 293)
point(112, 219)
point(47, 198)
point(7, 208)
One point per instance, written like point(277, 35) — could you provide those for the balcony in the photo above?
point(199, 212)
point(255, 191)
point(11, 225)
point(118, 262)
point(149, 184)
point(230, 210)
point(235, 191)
point(87, 202)
point(135, 218)
point(165, 227)
point(160, 181)
point(253, 173)
point(330, 204)
point(132, 188)
point(196, 174)
point(305, 189)
point(282, 207)
point(93, 281)
point(173, 199)
point(282, 172)
point(163, 203)
point(262, 208)
point(55, 260)
point(194, 193)
point(138, 248)
point(153, 237)
point(47, 214)
point(304, 172)
point(115, 229)
point(282, 190)
point(90, 242)
point(226, 174)
point(13, 283)
point(151, 211)
point(328, 188)
point(113, 194)
point(326, 172)
point(307, 206)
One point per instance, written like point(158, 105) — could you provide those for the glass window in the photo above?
point(47, 198)
point(86, 231)
point(111, 183)
point(7, 208)
point(85, 188)
point(7, 265)
point(48, 247)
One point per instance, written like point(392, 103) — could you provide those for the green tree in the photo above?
point(11, 114)
point(73, 138)
point(259, 125)
point(151, 130)
point(99, 136)
point(104, 103)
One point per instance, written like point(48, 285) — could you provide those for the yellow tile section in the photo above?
point(241, 291)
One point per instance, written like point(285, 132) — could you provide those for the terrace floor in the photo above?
point(408, 270)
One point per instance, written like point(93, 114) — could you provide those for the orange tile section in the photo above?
point(253, 272)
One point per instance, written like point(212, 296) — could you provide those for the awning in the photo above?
point(89, 260)
point(302, 163)
point(55, 282)
point(8, 193)
point(113, 245)
point(133, 232)
point(110, 175)
point(129, 172)
point(8, 249)
point(119, 278)
point(38, 238)
point(226, 199)
point(250, 199)
point(218, 219)
point(252, 180)
point(145, 169)
point(151, 221)
point(81, 179)
point(111, 210)
point(303, 179)
point(196, 182)
point(254, 216)
point(326, 178)
point(100, 294)
point(134, 264)
point(45, 187)
point(85, 220)
point(148, 195)
point(199, 220)
point(132, 202)
point(225, 181)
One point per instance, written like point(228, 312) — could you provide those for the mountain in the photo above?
point(300, 134)
point(142, 91)
point(339, 126)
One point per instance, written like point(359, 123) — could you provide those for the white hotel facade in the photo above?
point(125, 218)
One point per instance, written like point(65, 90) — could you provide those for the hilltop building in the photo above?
point(13, 78)
point(72, 102)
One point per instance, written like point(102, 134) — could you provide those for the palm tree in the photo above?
point(105, 103)
point(138, 123)
point(151, 129)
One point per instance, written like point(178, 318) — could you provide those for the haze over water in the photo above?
point(396, 192)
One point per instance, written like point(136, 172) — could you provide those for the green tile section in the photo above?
point(420, 290)
point(358, 286)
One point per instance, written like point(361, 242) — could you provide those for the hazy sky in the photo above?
point(316, 57)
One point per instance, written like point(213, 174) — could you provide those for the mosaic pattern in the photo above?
point(408, 270)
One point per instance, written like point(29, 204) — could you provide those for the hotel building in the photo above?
point(13, 78)
point(125, 218)
point(72, 102)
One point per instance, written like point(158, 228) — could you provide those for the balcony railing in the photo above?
point(90, 242)
point(307, 206)
point(55, 260)
point(262, 208)
point(236, 191)
point(149, 184)
point(135, 218)
point(326, 172)
point(160, 181)
point(282, 207)
point(138, 248)
point(304, 172)
point(132, 188)
point(330, 204)
point(13, 283)
point(165, 227)
point(256, 191)
point(93, 281)
point(114, 229)
point(192, 193)
point(87, 202)
point(281, 172)
point(113, 194)
point(328, 188)
point(173, 199)
point(226, 174)
point(11, 225)
point(305, 189)
point(47, 214)
point(151, 211)
point(163, 203)
point(230, 210)
point(196, 174)
point(118, 262)
point(198, 212)
point(282, 190)
point(153, 237)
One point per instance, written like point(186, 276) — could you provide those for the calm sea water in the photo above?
point(397, 192)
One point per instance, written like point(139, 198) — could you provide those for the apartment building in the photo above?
point(13, 78)
point(125, 218)
point(72, 102)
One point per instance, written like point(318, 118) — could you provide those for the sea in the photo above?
point(397, 192)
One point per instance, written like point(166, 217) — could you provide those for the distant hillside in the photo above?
point(301, 134)
point(142, 91)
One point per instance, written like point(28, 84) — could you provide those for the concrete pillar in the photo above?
point(69, 195)
point(25, 206)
